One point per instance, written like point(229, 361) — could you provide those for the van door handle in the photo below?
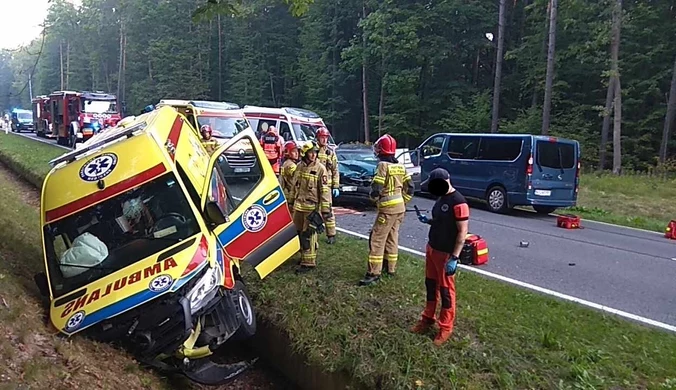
point(547, 176)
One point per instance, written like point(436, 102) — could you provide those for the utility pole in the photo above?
point(30, 86)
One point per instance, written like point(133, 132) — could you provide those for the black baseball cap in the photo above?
point(438, 179)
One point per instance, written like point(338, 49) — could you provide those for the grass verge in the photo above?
point(505, 337)
point(27, 158)
point(32, 355)
point(636, 201)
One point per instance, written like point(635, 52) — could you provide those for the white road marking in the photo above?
point(529, 286)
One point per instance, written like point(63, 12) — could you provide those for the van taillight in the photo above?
point(577, 173)
point(529, 167)
point(577, 177)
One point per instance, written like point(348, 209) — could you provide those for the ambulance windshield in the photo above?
point(306, 132)
point(223, 127)
point(116, 233)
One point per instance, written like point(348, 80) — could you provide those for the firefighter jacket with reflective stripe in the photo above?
point(272, 146)
point(286, 178)
point(210, 146)
point(392, 187)
point(327, 156)
point(310, 189)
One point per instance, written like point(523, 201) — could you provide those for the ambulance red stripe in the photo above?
point(248, 242)
point(108, 192)
point(175, 134)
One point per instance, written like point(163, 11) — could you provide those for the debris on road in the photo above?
point(523, 244)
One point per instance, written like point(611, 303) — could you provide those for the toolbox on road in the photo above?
point(670, 231)
point(475, 250)
point(568, 221)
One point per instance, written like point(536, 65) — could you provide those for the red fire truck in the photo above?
point(41, 115)
point(77, 116)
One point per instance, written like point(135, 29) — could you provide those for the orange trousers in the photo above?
point(439, 285)
point(275, 166)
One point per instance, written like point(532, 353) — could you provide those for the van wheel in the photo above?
point(544, 209)
point(246, 312)
point(496, 198)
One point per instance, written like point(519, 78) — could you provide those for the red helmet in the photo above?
point(206, 131)
point(386, 145)
point(323, 132)
point(289, 146)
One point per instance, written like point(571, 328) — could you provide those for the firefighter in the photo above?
point(446, 238)
point(327, 156)
point(393, 188)
point(272, 146)
point(310, 196)
point(288, 169)
point(209, 143)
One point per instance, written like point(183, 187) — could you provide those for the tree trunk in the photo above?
point(615, 72)
point(534, 102)
point(550, 69)
point(119, 69)
point(61, 61)
point(364, 82)
point(617, 129)
point(475, 71)
point(498, 68)
point(272, 90)
point(220, 59)
point(606, 124)
point(669, 118)
point(124, 67)
point(67, 63)
point(381, 102)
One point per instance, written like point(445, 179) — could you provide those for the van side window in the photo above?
point(285, 131)
point(499, 148)
point(240, 169)
point(434, 146)
point(463, 148)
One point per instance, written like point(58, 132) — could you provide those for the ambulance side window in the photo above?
point(285, 131)
point(240, 170)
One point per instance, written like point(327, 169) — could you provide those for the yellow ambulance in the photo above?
point(144, 233)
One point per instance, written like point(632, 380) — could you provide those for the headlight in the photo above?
point(203, 288)
point(86, 120)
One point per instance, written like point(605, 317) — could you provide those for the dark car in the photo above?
point(357, 166)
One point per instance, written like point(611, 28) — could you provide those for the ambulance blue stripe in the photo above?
point(237, 227)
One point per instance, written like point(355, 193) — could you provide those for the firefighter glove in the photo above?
point(316, 222)
point(451, 266)
point(336, 193)
point(423, 218)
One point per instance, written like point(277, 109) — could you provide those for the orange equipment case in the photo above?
point(568, 221)
point(670, 231)
point(475, 250)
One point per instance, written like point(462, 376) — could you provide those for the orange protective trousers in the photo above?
point(439, 285)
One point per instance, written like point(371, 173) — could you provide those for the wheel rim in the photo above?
point(245, 308)
point(496, 199)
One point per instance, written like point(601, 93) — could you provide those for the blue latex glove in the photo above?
point(336, 193)
point(451, 266)
point(423, 218)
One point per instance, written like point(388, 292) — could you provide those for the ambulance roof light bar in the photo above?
point(72, 156)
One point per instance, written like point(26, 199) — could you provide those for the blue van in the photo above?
point(506, 170)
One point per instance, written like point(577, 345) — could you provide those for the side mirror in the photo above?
point(214, 213)
point(41, 281)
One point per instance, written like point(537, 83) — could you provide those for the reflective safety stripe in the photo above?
point(390, 200)
point(326, 205)
point(326, 189)
point(396, 170)
point(299, 206)
point(308, 176)
point(407, 198)
point(482, 252)
point(375, 259)
point(379, 180)
point(391, 258)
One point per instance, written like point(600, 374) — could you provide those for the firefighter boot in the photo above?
point(331, 240)
point(369, 279)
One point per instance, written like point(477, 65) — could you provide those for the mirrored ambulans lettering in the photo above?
point(119, 284)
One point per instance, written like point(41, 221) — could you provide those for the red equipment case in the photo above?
point(475, 250)
point(568, 221)
point(670, 231)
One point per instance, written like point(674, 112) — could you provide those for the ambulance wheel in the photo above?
point(496, 199)
point(544, 209)
point(245, 310)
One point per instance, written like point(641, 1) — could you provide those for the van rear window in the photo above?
point(556, 155)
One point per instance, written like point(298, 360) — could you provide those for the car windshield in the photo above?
point(100, 106)
point(305, 132)
point(109, 236)
point(359, 155)
point(25, 116)
point(223, 127)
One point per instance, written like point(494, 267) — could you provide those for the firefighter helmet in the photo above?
point(323, 132)
point(309, 146)
point(289, 146)
point(385, 145)
point(206, 132)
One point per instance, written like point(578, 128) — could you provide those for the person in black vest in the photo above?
point(448, 228)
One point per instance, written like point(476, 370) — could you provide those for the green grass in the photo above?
point(504, 337)
point(26, 157)
point(636, 201)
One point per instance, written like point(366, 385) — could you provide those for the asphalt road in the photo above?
point(626, 269)
point(622, 268)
